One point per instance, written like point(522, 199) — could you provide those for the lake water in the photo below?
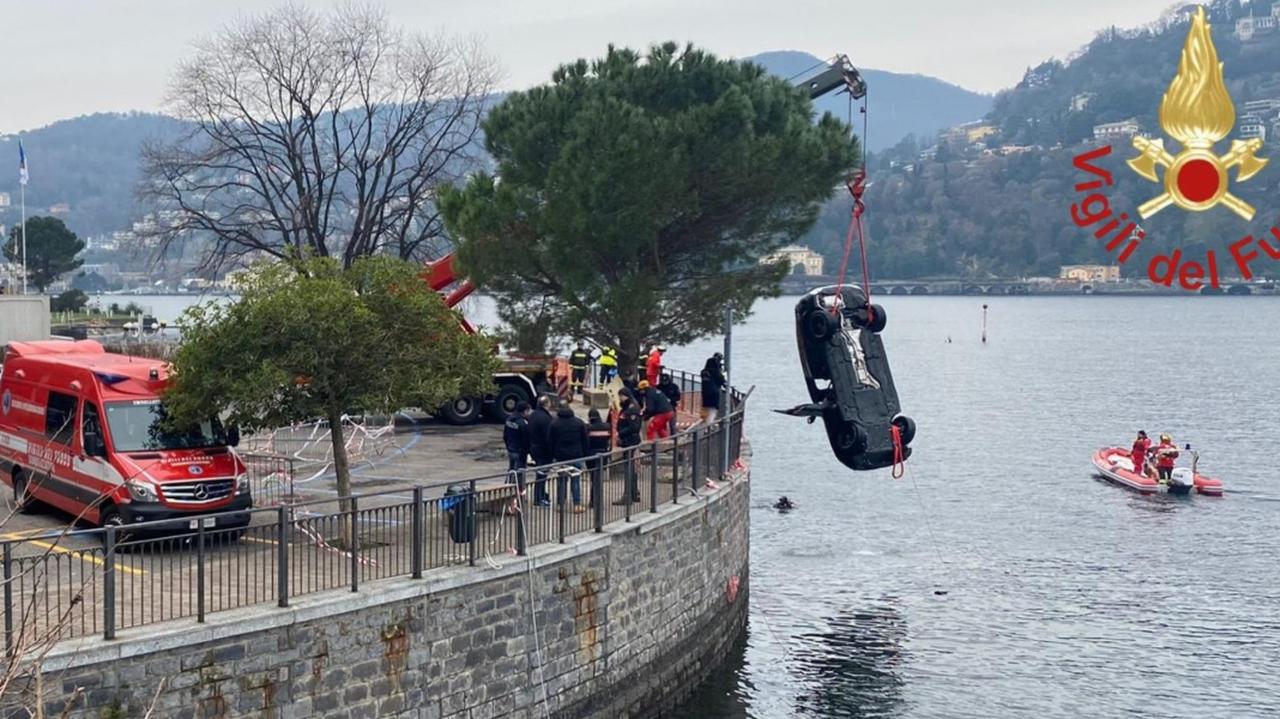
point(1064, 596)
point(998, 578)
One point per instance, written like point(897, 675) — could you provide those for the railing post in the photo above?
point(597, 491)
point(631, 483)
point(200, 571)
point(109, 584)
point(653, 477)
point(354, 546)
point(415, 553)
point(522, 547)
point(282, 556)
point(470, 509)
point(562, 485)
point(8, 599)
point(675, 469)
point(693, 463)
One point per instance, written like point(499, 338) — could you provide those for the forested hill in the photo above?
point(900, 104)
point(1001, 206)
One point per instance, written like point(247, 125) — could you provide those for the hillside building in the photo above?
point(1267, 107)
point(1109, 131)
point(1079, 103)
point(1247, 28)
point(61, 208)
point(966, 134)
point(4, 199)
point(1251, 126)
point(803, 261)
point(1089, 273)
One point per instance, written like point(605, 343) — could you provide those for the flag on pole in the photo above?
point(22, 163)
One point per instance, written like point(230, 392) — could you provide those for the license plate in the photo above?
point(207, 522)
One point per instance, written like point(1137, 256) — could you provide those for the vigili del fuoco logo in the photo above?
point(1197, 112)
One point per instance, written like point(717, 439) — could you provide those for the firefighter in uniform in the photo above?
point(579, 360)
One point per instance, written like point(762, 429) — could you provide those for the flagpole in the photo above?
point(24, 237)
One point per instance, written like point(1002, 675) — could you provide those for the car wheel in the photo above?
point(22, 503)
point(874, 320)
point(906, 428)
point(110, 517)
point(464, 410)
point(851, 438)
point(819, 325)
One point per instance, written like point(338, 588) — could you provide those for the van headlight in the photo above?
point(242, 483)
point(141, 491)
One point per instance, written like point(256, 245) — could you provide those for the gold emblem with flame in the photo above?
point(1197, 111)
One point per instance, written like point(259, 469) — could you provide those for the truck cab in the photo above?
point(84, 430)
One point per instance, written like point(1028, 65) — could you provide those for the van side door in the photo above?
point(54, 481)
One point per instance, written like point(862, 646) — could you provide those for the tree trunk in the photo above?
point(340, 467)
point(629, 351)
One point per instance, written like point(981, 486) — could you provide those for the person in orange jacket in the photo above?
point(1166, 457)
point(653, 367)
point(1138, 455)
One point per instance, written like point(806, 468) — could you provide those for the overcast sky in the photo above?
point(72, 57)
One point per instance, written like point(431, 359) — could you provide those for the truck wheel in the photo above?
point(21, 502)
point(510, 395)
point(874, 321)
point(819, 325)
point(464, 410)
point(906, 428)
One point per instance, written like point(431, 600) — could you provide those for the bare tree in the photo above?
point(321, 134)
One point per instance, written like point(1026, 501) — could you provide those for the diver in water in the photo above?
point(783, 504)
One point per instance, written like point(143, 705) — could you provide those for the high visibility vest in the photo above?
point(609, 357)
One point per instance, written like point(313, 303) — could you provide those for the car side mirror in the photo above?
point(233, 436)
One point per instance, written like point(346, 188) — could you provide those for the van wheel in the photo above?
point(819, 325)
point(110, 517)
point(21, 502)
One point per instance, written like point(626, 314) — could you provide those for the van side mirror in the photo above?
point(233, 436)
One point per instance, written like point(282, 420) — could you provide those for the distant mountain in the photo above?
point(88, 163)
point(897, 104)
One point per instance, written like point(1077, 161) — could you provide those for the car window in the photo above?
point(60, 418)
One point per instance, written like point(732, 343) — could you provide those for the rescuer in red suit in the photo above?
point(1141, 446)
point(1166, 456)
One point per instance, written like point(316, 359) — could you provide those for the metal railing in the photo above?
point(110, 579)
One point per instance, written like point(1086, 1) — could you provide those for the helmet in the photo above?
point(644, 384)
point(1166, 438)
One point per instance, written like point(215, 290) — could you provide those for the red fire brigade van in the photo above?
point(81, 429)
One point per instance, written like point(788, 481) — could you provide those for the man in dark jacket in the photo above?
point(629, 422)
point(658, 410)
point(568, 440)
point(540, 449)
point(712, 382)
point(515, 434)
point(672, 390)
point(599, 444)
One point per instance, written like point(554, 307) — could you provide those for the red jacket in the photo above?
point(1170, 453)
point(1139, 453)
point(653, 367)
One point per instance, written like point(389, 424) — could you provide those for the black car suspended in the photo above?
point(850, 385)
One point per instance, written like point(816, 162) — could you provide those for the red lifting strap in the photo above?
point(857, 186)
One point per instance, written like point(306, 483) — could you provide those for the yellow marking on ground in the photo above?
point(255, 540)
point(83, 554)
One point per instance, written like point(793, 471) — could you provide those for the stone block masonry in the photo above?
point(629, 623)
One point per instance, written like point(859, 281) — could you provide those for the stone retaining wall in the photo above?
point(630, 621)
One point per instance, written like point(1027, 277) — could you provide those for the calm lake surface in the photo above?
point(998, 578)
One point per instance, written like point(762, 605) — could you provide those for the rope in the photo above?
point(857, 186)
point(899, 461)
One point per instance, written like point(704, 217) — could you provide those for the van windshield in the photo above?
point(139, 425)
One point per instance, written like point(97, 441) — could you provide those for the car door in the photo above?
point(90, 463)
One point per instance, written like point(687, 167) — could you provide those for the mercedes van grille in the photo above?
point(201, 492)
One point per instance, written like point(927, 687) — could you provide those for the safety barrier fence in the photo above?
point(105, 580)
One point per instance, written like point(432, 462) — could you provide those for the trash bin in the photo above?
point(461, 506)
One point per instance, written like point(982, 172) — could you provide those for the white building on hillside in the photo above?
point(803, 261)
point(1109, 131)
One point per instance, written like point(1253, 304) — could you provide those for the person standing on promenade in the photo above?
point(540, 449)
point(672, 390)
point(579, 361)
point(629, 438)
point(568, 439)
point(713, 381)
point(600, 442)
point(515, 435)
